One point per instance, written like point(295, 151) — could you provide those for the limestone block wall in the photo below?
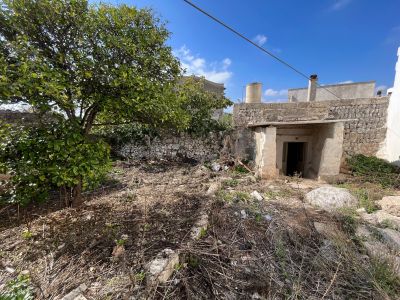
point(365, 134)
point(175, 147)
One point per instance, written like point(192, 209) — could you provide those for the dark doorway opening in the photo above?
point(295, 159)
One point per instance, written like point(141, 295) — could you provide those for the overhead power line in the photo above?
point(255, 44)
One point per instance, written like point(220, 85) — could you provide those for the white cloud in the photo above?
point(260, 39)
point(340, 4)
point(194, 65)
point(273, 93)
point(345, 82)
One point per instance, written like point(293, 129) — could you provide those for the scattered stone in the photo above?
point(256, 195)
point(25, 272)
point(216, 167)
point(199, 226)
point(330, 198)
point(391, 238)
point(80, 297)
point(10, 270)
point(390, 204)
point(201, 171)
point(76, 294)
point(61, 246)
point(243, 214)
point(161, 268)
point(214, 187)
point(361, 210)
point(267, 218)
point(118, 251)
point(256, 296)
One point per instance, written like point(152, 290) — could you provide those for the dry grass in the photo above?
point(274, 252)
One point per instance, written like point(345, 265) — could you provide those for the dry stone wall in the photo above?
point(364, 134)
point(175, 147)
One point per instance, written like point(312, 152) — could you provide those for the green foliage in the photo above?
point(376, 170)
point(88, 62)
point(230, 182)
point(200, 104)
point(226, 121)
point(55, 156)
point(139, 277)
point(27, 234)
point(365, 200)
point(203, 233)
point(18, 289)
point(240, 169)
point(193, 261)
point(347, 218)
point(119, 135)
point(237, 196)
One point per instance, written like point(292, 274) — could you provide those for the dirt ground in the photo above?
point(252, 248)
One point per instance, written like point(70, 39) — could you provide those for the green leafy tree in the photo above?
point(67, 57)
point(77, 64)
point(200, 104)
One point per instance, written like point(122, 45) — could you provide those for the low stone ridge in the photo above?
point(330, 198)
point(382, 218)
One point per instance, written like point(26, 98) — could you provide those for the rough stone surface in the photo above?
point(161, 268)
point(382, 218)
point(363, 135)
point(76, 294)
point(175, 147)
point(256, 195)
point(214, 187)
point(379, 249)
point(199, 226)
point(390, 204)
point(391, 237)
point(330, 198)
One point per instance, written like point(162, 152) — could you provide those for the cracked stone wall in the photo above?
point(365, 134)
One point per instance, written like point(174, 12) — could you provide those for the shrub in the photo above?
point(376, 170)
point(57, 156)
point(18, 289)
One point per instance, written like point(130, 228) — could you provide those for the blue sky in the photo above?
point(340, 40)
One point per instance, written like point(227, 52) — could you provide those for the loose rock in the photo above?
point(331, 198)
point(256, 195)
point(391, 205)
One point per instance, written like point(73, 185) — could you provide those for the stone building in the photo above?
point(313, 134)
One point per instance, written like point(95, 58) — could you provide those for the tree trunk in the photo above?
point(77, 199)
